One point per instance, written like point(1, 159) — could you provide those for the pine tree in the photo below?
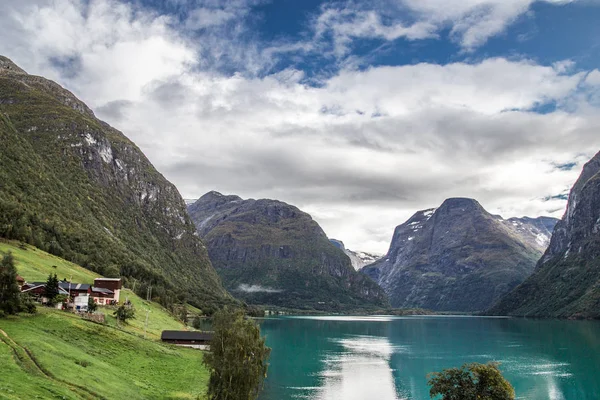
point(237, 358)
point(10, 294)
point(51, 288)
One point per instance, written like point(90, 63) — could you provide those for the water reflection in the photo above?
point(359, 370)
point(389, 358)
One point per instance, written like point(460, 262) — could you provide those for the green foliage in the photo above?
point(92, 306)
point(10, 299)
point(28, 304)
point(471, 382)
point(124, 313)
point(51, 289)
point(237, 359)
point(255, 311)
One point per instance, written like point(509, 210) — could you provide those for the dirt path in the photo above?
point(29, 364)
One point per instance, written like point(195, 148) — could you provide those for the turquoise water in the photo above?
point(388, 358)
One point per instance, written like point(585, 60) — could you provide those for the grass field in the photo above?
point(35, 265)
point(107, 362)
point(58, 355)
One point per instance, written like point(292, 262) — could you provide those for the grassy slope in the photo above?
point(122, 364)
point(35, 265)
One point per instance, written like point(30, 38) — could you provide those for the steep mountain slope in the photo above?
point(358, 258)
point(269, 252)
point(457, 258)
point(74, 186)
point(566, 281)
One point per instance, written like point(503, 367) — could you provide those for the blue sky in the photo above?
point(360, 113)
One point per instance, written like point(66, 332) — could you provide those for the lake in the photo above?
point(388, 358)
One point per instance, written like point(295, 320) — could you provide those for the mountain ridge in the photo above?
point(78, 188)
point(270, 252)
point(457, 257)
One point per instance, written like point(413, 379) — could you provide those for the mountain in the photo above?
point(269, 252)
point(458, 257)
point(358, 258)
point(566, 281)
point(72, 185)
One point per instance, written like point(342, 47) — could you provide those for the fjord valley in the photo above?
point(270, 253)
point(72, 185)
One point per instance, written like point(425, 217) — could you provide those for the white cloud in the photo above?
point(361, 152)
point(471, 22)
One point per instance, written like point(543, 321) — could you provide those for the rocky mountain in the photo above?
point(566, 281)
point(72, 185)
point(269, 252)
point(458, 257)
point(358, 258)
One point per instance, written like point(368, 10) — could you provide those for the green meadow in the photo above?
point(55, 354)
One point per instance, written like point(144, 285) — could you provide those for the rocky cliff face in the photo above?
point(359, 259)
point(75, 186)
point(269, 252)
point(566, 282)
point(458, 257)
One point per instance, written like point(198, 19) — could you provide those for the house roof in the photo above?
point(36, 285)
point(108, 279)
point(102, 290)
point(186, 335)
point(74, 286)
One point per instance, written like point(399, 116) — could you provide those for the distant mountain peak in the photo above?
point(439, 256)
point(359, 259)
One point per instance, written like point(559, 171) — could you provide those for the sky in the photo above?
point(359, 113)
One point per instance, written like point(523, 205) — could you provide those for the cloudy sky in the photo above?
point(360, 113)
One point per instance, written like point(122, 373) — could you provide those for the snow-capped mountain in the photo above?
point(358, 258)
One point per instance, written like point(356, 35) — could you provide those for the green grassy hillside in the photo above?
point(55, 354)
point(78, 359)
point(35, 265)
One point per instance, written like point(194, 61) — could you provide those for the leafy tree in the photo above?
point(10, 294)
point(123, 313)
point(471, 382)
point(51, 289)
point(92, 306)
point(237, 359)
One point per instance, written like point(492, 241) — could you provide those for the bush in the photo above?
point(28, 304)
point(471, 382)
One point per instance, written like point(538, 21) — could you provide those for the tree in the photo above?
point(123, 313)
point(92, 306)
point(51, 289)
point(237, 359)
point(471, 382)
point(10, 294)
